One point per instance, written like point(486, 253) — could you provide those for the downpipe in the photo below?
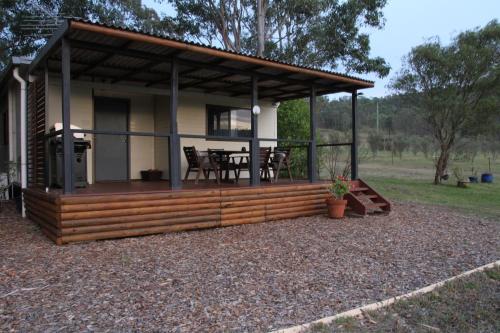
point(24, 171)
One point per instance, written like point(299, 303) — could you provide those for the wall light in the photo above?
point(256, 110)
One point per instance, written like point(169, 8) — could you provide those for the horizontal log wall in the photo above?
point(74, 218)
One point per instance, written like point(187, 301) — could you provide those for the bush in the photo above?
point(375, 142)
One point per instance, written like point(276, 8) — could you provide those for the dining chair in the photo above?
point(199, 164)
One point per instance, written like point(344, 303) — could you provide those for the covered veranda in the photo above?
point(85, 56)
point(89, 52)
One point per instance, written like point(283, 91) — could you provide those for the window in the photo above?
point(229, 121)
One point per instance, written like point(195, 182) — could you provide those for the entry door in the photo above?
point(111, 151)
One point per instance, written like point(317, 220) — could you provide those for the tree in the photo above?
point(452, 84)
point(322, 33)
point(18, 39)
point(293, 124)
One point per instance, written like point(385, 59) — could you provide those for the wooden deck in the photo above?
point(113, 210)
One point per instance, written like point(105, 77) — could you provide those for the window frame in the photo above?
point(209, 115)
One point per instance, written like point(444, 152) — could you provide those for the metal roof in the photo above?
point(119, 55)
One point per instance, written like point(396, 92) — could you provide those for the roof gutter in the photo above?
point(24, 96)
point(140, 37)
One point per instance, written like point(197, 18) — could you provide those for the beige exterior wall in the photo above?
point(149, 112)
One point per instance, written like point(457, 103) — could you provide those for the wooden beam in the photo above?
point(200, 65)
point(188, 71)
point(99, 62)
point(146, 67)
point(201, 82)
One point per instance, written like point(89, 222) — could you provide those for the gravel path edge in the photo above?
point(377, 305)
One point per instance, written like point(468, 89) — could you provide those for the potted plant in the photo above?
point(487, 177)
point(151, 175)
point(473, 178)
point(459, 175)
point(336, 203)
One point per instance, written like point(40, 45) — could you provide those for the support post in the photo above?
point(255, 147)
point(68, 148)
point(354, 141)
point(174, 140)
point(311, 156)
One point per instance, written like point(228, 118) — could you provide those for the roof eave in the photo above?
point(146, 38)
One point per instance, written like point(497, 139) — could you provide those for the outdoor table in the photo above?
point(228, 154)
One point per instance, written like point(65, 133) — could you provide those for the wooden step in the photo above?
point(367, 196)
point(360, 189)
point(363, 199)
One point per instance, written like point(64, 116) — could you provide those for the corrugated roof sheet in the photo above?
point(173, 38)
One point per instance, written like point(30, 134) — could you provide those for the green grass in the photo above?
point(469, 304)
point(479, 199)
point(410, 179)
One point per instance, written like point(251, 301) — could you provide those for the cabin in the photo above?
point(117, 132)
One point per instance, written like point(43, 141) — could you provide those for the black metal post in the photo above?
point(311, 156)
point(66, 117)
point(255, 146)
point(174, 140)
point(354, 144)
point(46, 146)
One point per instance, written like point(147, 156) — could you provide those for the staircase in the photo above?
point(365, 200)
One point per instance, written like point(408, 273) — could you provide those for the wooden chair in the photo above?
point(223, 162)
point(243, 164)
point(199, 164)
point(264, 158)
point(281, 158)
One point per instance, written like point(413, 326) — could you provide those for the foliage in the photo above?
point(293, 124)
point(335, 160)
point(458, 173)
point(400, 143)
point(375, 142)
point(453, 84)
point(293, 120)
point(322, 33)
point(339, 187)
point(17, 40)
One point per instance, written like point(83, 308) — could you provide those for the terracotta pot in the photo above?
point(336, 208)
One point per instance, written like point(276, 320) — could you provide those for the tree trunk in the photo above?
point(442, 163)
point(261, 21)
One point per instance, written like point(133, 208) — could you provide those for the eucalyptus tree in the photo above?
point(321, 33)
point(455, 86)
point(25, 25)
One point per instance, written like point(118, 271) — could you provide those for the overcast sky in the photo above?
point(412, 22)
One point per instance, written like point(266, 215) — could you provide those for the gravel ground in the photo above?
point(245, 278)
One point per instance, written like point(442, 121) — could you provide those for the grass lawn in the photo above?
point(410, 179)
point(478, 199)
point(469, 304)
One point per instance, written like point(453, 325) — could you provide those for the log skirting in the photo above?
point(84, 217)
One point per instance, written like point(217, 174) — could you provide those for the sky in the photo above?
point(410, 23)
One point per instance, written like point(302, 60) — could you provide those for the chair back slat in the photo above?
point(191, 156)
point(264, 155)
point(282, 152)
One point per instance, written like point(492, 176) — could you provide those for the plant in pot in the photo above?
point(336, 203)
point(487, 177)
point(459, 175)
point(473, 178)
point(151, 175)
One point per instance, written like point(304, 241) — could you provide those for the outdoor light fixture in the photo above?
point(256, 110)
